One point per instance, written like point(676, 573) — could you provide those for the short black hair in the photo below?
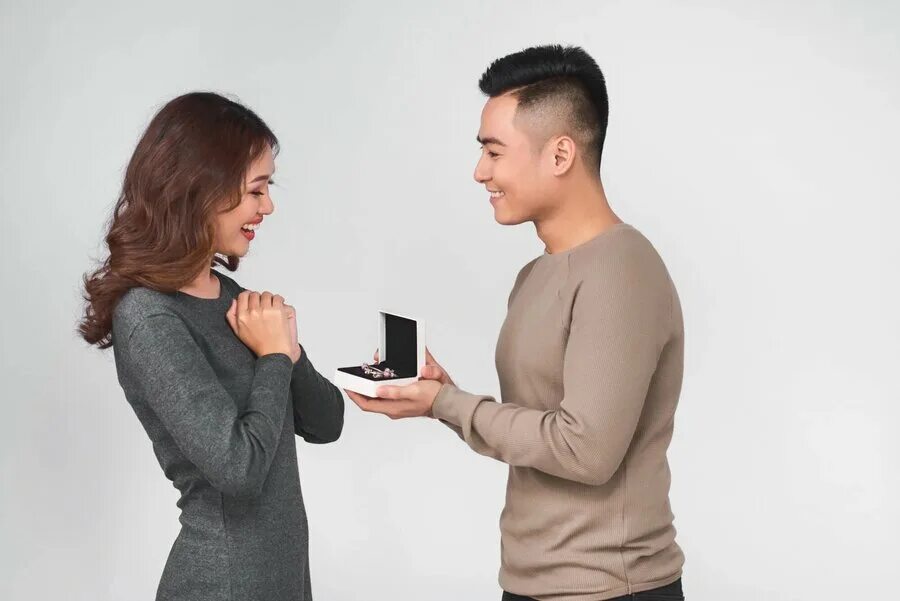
point(543, 74)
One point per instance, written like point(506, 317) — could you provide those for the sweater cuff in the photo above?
point(303, 367)
point(454, 405)
point(275, 366)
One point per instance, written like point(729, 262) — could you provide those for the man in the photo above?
point(589, 358)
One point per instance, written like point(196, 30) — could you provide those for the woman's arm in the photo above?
point(168, 371)
point(318, 404)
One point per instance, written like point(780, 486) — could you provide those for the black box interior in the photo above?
point(401, 349)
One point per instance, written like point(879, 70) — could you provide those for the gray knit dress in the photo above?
point(222, 423)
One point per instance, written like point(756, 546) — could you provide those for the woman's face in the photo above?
point(235, 228)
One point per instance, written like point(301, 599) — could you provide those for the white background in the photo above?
point(754, 143)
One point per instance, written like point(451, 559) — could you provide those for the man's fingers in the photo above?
point(357, 398)
point(367, 403)
point(429, 358)
point(432, 372)
point(392, 409)
point(376, 356)
point(388, 392)
point(395, 393)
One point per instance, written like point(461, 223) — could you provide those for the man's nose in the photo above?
point(481, 172)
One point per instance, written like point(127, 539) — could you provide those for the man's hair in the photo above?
point(559, 84)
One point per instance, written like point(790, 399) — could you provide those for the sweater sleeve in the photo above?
point(611, 355)
point(520, 277)
point(318, 404)
point(233, 449)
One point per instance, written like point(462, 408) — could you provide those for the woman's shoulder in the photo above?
point(138, 304)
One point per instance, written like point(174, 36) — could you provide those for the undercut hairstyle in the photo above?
point(560, 91)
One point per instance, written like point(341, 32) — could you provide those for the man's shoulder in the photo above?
point(521, 277)
point(526, 269)
point(624, 259)
point(624, 249)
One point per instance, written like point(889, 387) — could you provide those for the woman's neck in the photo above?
point(205, 285)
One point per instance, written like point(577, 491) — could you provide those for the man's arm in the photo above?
point(442, 376)
point(616, 336)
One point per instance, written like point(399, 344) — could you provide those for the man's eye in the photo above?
point(493, 155)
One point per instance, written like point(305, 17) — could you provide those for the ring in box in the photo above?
point(401, 349)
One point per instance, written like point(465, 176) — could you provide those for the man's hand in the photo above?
point(414, 400)
point(433, 370)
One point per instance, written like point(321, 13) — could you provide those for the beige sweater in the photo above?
point(590, 362)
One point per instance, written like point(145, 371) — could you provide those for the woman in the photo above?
point(214, 372)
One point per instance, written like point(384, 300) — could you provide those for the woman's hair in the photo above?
point(189, 165)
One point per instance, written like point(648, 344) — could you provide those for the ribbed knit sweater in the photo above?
point(590, 361)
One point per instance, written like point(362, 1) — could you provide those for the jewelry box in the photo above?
point(401, 351)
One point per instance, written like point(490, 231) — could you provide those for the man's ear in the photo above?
point(563, 150)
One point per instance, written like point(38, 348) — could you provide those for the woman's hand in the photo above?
point(296, 349)
point(262, 322)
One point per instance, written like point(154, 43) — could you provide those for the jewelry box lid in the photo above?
point(401, 342)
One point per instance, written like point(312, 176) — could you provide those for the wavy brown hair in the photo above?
point(189, 165)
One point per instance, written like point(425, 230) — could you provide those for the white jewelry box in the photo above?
point(401, 348)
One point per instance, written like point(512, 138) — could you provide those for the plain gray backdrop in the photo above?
point(755, 144)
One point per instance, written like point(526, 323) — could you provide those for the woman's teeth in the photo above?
point(250, 227)
point(496, 194)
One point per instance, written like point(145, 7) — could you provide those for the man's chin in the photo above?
point(503, 218)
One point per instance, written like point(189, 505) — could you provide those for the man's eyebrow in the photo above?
point(489, 140)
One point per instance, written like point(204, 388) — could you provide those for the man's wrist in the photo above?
point(441, 401)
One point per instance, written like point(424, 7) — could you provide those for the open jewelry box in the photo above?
point(401, 350)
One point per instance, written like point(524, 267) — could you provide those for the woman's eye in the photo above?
point(261, 192)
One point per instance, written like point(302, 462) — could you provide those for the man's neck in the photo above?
point(581, 215)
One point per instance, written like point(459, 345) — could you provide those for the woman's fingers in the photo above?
point(243, 302)
point(231, 315)
point(265, 300)
point(253, 302)
point(249, 300)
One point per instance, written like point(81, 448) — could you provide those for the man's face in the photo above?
point(510, 167)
